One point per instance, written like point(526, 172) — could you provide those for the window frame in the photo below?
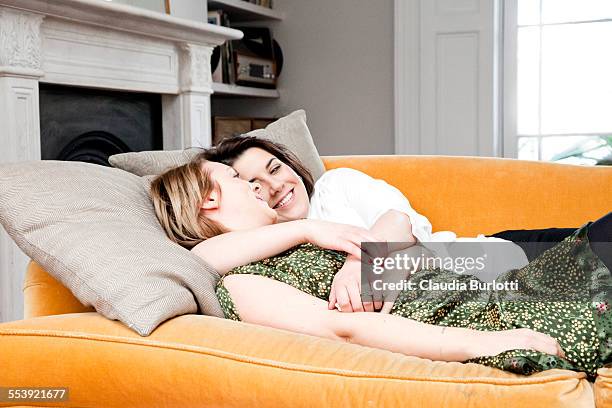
point(509, 75)
point(510, 83)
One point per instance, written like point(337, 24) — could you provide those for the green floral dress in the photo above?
point(582, 326)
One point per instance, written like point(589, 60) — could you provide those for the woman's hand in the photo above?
point(339, 237)
point(493, 343)
point(346, 286)
point(345, 291)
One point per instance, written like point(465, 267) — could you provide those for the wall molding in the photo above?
point(406, 69)
point(508, 99)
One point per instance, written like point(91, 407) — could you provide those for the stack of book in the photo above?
point(228, 126)
point(263, 3)
point(224, 72)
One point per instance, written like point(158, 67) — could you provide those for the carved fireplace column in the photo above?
point(189, 112)
point(20, 70)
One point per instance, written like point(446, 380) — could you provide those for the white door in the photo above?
point(447, 77)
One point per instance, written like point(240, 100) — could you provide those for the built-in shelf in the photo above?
point(240, 10)
point(236, 90)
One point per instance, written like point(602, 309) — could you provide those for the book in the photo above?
point(214, 17)
point(227, 57)
point(228, 126)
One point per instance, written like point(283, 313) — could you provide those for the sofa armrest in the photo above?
point(43, 295)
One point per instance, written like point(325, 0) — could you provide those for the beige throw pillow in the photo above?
point(293, 132)
point(152, 162)
point(94, 229)
point(290, 131)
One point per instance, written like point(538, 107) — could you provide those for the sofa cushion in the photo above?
point(94, 229)
point(290, 131)
point(201, 361)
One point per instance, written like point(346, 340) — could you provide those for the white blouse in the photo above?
point(349, 196)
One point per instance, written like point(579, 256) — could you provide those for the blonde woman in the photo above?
point(289, 289)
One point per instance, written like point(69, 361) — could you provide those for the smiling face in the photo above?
point(281, 187)
point(236, 204)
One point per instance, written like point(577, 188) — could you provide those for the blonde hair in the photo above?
point(177, 196)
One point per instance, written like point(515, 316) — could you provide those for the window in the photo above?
point(564, 80)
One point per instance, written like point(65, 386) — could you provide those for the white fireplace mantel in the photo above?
point(96, 44)
point(126, 18)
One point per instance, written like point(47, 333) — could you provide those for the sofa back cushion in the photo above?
point(484, 195)
point(94, 229)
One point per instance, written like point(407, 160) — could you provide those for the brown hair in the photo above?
point(177, 196)
point(228, 150)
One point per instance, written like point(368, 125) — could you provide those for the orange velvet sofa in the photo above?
point(196, 360)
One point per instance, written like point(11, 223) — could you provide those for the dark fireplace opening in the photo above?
point(89, 125)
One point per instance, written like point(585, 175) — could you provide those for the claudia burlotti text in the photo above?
point(413, 264)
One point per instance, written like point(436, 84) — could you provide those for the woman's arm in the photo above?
point(236, 248)
point(394, 227)
point(263, 301)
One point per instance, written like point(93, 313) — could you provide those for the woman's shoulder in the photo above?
point(341, 176)
point(342, 172)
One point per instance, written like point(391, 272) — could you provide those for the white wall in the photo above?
point(339, 68)
point(189, 9)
